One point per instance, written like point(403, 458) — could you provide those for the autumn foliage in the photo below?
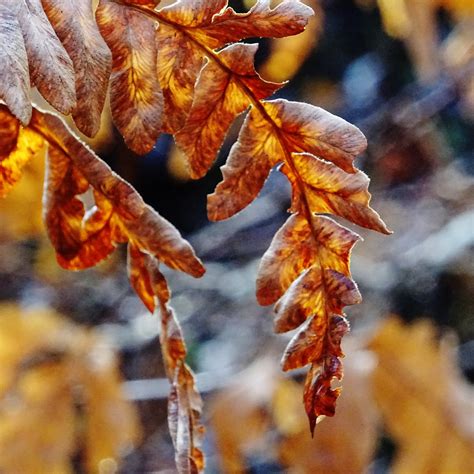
point(182, 70)
point(60, 396)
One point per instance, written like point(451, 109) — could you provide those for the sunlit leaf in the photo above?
point(136, 97)
point(218, 100)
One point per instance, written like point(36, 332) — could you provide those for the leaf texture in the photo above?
point(81, 238)
point(270, 133)
point(136, 97)
point(191, 30)
point(51, 69)
point(309, 278)
point(218, 99)
point(14, 74)
point(33, 53)
point(306, 269)
point(74, 23)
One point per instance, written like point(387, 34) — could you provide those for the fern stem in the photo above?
point(213, 56)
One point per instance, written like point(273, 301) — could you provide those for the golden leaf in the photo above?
point(82, 239)
point(49, 366)
point(218, 100)
point(20, 146)
point(328, 189)
point(136, 97)
point(426, 404)
point(190, 30)
point(21, 209)
point(294, 249)
point(269, 135)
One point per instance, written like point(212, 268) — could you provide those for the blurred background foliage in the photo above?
point(401, 70)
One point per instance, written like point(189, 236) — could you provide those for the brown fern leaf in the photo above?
point(32, 55)
point(306, 270)
point(307, 266)
point(274, 130)
point(184, 403)
point(75, 26)
point(191, 30)
point(135, 93)
point(83, 238)
point(314, 149)
point(220, 96)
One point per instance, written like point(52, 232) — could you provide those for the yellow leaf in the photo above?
point(48, 367)
point(427, 406)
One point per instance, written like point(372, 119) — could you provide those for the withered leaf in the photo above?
point(287, 55)
point(269, 136)
point(178, 68)
point(218, 99)
point(190, 30)
point(120, 215)
point(171, 338)
point(51, 69)
point(319, 396)
point(328, 189)
point(181, 58)
point(250, 160)
point(184, 402)
point(146, 278)
point(314, 292)
point(316, 151)
point(74, 23)
point(286, 19)
point(306, 269)
point(14, 75)
point(136, 97)
point(295, 248)
point(19, 145)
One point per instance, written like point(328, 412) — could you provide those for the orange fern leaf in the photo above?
point(135, 93)
point(83, 238)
